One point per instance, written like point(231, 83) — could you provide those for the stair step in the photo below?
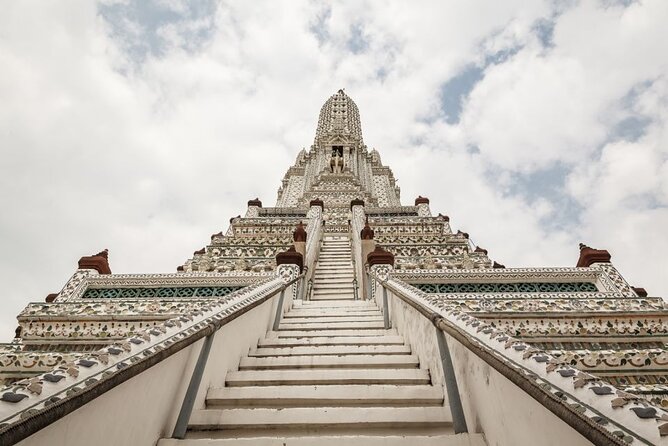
point(329, 362)
point(385, 438)
point(352, 305)
point(367, 316)
point(298, 417)
point(338, 333)
point(334, 298)
point(358, 342)
point(333, 291)
point(307, 377)
point(325, 396)
point(325, 350)
point(328, 268)
point(299, 313)
point(333, 326)
point(335, 295)
point(333, 278)
point(333, 286)
point(375, 316)
point(333, 274)
point(339, 289)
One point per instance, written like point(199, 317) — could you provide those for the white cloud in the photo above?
point(149, 155)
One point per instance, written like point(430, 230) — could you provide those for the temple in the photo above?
point(340, 316)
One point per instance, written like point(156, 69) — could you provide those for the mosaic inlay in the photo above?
point(523, 287)
point(159, 293)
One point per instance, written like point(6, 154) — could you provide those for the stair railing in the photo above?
point(356, 225)
point(524, 365)
point(29, 406)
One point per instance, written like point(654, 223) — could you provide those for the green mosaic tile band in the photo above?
point(160, 293)
point(523, 287)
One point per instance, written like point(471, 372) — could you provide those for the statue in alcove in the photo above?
point(336, 162)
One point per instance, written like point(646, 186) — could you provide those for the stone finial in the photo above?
point(421, 200)
point(641, 292)
point(480, 250)
point(255, 202)
point(497, 265)
point(356, 202)
point(234, 218)
point(380, 257)
point(463, 234)
point(200, 252)
point(18, 331)
point(50, 297)
point(589, 256)
point(99, 262)
point(290, 257)
point(317, 202)
point(218, 234)
point(179, 269)
point(299, 234)
point(444, 217)
point(366, 233)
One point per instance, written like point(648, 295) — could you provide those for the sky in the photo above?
point(143, 126)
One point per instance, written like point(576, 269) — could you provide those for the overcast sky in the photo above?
point(142, 127)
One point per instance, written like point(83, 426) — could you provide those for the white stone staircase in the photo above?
point(330, 375)
point(333, 275)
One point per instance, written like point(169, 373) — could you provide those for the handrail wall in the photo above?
point(530, 369)
point(46, 398)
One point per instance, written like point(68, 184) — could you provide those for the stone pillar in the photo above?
point(422, 204)
point(381, 263)
point(254, 208)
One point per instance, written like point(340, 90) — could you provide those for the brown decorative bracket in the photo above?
point(290, 257)
point(380, 257)
point(366, 233)
point(255, 202)
point(317, 202)
point(356, 202)
point(421, 200)
point(299, 234)
point(589, 256)
point(99, 262)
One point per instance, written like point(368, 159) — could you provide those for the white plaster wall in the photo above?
point(501, 410)
point(232, 342)
point(133, 413)
point(420, 333)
